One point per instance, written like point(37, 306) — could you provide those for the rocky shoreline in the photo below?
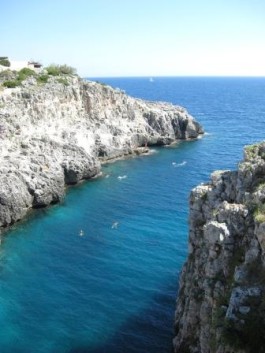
point(60, 132)
point(221, 301)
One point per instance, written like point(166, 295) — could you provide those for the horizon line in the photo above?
point(179, 76)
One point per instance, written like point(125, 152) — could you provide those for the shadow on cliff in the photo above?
point(149, 330)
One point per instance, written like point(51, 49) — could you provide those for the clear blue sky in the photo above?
point(138, 37)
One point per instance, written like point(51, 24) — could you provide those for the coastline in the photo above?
point(54, 135)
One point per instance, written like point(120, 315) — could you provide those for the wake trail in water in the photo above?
point(120, 177)
point(177, 165)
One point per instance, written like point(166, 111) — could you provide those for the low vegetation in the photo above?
point(63, 81)
point(14, 79)
point(4, 61)
point(11, 84)
point(23, 74)
point(58, 70)
point(41, 79)
point(251, 150)
point(259, 213)
point(254, 151)
point(7, 75)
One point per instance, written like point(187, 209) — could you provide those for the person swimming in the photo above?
point(114, 225)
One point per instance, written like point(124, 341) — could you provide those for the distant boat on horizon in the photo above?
point(151, 79)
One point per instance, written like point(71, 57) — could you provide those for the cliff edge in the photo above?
point(221, 301)
point(56, 131)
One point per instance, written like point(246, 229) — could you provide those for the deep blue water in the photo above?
point(114, 289)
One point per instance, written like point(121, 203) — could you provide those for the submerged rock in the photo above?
point(58, 133)
point(221, 302)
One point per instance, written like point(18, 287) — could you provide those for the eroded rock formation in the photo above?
point(221, 302)
point(58, 133)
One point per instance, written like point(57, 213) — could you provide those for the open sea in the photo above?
point(112, 287)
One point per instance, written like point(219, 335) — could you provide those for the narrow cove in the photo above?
point(62, 292)
point(114, 290)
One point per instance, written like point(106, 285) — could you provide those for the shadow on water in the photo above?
point(145, 332)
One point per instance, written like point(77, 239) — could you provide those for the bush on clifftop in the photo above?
point(25, 73)
point(7, 75)
point(11, 84)
point(42, 79)
point(57, 70)
point(12, 79)
point(22, 75)
point(4, 61)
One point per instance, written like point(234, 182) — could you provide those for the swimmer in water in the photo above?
point(114, 225)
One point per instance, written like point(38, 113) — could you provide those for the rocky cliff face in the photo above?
point(221, 302)
point(58, 133)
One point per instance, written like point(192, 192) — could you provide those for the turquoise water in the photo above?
point(113, 289)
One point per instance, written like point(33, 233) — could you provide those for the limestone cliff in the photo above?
point(221, 302)
point(59, 132)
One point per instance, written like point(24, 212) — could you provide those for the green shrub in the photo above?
point(251, 150)
point(42, 79)
point(57, 70)
point(25, 73)
point(261, 186)
point(53, 70)
point(14, 79)
point(6, 74)
point(67, 70)
point(4, 61)
point(63, 81)
point(11, 84)
point(259, 213)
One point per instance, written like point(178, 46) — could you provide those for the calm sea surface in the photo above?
point(113, 289)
